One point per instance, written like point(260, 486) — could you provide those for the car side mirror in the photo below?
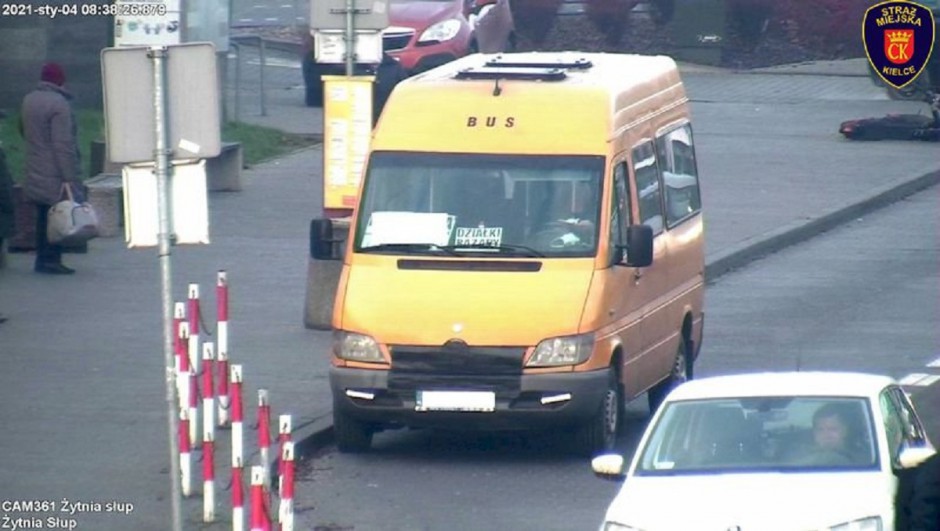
point(609, 467)
point(639, 245)
point(913, 456)
point(322, 243)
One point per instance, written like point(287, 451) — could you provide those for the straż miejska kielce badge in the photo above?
point(899, 38)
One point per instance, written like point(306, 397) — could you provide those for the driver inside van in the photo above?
point(572, 214)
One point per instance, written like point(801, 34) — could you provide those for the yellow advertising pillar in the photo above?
point(347, 132)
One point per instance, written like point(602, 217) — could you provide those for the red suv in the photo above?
point(423, 34)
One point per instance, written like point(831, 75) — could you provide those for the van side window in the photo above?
point(676, 155)
point(620, 207)
point(648, 187)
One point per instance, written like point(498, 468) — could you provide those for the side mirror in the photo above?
point(609, 467)
point(913, 456)
point(639, 245)
point(321, 239)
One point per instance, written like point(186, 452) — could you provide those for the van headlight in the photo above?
point(871, 523)
point(442, 31)
point(567, 350)
point(356, 347)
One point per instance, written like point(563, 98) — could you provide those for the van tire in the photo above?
point(352, 436)
point(680, 373)
point(600, 433)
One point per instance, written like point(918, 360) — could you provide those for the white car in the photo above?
point(794, 451)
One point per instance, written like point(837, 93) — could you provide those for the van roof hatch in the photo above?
point(536, 74)
point(577, 64)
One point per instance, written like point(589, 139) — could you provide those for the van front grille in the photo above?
point(457, 361)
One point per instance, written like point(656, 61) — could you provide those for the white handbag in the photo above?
point(71, 222)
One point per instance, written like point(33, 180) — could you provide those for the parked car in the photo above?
point(423, 34)
point(770, 451)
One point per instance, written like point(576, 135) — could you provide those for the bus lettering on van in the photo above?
point(490, 121)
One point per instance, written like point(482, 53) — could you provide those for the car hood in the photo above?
point(493, 308)
point(421, 14)
point(749, 502)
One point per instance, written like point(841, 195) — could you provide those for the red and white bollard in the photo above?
point(192, 312)
point(185, 429)
point(284, 437)
point(221, 297)
point(185, 455)
point(192, 393)
point(208, 434)
point(286, 508)
point(264, 435)
point(238, 462)
point(179, 317)
point(183, 373)
point(259, 513)
point(238, 497)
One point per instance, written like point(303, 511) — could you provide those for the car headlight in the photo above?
point(871, 523)
point(356, 347)
point(614, 526)
point(442, 31)
point(557, 351)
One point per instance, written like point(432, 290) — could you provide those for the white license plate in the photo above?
point(455, 401)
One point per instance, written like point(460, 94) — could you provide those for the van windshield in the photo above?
point(470, 204)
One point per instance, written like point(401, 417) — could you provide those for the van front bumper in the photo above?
point(526, 401)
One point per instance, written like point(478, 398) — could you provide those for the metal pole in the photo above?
point(238, 78)
point(161, 157)
point(350, 36)
point(263, 61)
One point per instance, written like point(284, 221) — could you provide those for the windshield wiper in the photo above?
point(509, 248)
point(408, 247)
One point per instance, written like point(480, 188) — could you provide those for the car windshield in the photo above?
point(462, 204)
point(798, 434)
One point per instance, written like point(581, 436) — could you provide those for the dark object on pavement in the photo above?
point(898, 126)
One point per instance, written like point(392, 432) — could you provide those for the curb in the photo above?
point(307, 439)
point(320, 432)
point(799, 73)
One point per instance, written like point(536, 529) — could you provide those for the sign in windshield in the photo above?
point(420, 203)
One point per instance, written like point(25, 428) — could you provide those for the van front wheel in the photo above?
point(681, 371)
point(352, 436)
point(600, 433)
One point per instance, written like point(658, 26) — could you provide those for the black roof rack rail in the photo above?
point(537, 74)
point(577, 64)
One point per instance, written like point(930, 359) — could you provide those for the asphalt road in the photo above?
point(862, 297)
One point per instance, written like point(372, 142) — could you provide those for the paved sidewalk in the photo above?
point(81, 367)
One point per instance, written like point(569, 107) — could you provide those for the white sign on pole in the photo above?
point(192, 94)
point(188, 199)
point(331, 14)
point(147, 23)
point(330, 47)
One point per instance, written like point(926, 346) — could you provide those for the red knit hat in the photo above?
point(53, 73)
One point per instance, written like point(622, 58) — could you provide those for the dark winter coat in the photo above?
point(7, 220)
point(925, 496)
point(52, 157)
